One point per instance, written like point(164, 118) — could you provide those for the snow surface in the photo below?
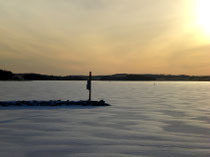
point(166, 120)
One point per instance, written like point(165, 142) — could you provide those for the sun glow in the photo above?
point(203, 15)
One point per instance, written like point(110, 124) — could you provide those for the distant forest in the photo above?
point(8, 75)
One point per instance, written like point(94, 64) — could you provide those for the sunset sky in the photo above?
point(64, 37)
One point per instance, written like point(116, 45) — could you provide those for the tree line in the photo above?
point(8, 75)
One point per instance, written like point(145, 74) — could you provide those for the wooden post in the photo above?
point(90, 79)
point(89, 85)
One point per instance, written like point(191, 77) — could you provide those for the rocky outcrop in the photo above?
point(53, 103)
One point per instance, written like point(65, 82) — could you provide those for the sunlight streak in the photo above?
point(203, 15)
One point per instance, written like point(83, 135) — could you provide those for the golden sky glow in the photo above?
point(203, 15)
point(106, 36)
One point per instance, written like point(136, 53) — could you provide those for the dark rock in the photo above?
point(53, 103)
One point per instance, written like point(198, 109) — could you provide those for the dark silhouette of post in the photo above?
point(89, 85)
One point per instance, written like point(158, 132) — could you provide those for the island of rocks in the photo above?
point(53, 103)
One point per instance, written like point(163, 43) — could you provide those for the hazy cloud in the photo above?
point(105, 36)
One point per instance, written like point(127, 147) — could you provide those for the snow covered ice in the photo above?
point(170, 119)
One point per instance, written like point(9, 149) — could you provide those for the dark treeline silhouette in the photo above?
point(128, 77)
point(153, 77)
point(32, 76)
point(8, 75)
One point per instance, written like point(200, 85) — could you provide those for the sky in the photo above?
point(71, 37)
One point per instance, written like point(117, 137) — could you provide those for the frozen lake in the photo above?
point(168, 119)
